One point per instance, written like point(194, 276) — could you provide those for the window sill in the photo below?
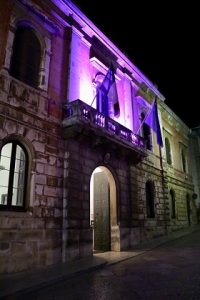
point(15, 213)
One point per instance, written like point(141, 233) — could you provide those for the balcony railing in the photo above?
point(81, 114)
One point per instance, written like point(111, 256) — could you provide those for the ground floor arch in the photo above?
point(103, 210)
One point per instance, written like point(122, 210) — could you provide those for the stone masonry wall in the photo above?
point(81, 161)
point(32, 238)
point(144, 228)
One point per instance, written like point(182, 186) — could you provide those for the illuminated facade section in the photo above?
point(88, 59)
point(70, 151)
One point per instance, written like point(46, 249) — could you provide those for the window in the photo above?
point(13, 173)
point(26, 56)
point(188, 208)
point(183, 157)
point(146, 133)
point(172, 204)
point(150, 191)
point(168, 151)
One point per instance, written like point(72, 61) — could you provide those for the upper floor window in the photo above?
point(172, 204)
point(168, 151)
point(13, 173)
point(183, 157)
point(146, 132)
point(150, 193)
point(26, 56)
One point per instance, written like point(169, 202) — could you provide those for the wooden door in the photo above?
point(101, 212)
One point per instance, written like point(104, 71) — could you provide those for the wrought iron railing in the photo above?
point(78, 111)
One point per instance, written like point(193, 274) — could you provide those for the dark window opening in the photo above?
point(188, 208)
point(173, 204)
point(183, 160)
point(13, 174)
point(150, 191)
point(26, 56)
point(146, 133)
point(168, 151)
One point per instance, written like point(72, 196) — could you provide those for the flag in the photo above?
point(153, 121)
point(109, 97)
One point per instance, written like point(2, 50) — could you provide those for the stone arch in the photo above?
point(44, 39)
point(111, 215)
point(26, 56)
point(30, 195)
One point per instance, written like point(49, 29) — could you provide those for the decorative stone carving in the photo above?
point(2, 82)
point(177, 127)
point(13, 89)
point(25, 95)
point(107, 157)
point(170, 120)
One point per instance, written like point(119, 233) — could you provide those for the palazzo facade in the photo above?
point(72, 179)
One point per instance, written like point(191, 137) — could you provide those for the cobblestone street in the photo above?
point(171, 271)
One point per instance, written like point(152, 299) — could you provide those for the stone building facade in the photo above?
point(195, 163)
point(72, 179)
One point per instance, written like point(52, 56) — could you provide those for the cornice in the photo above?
point(91, 30)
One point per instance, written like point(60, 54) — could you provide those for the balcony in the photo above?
point(84, 122)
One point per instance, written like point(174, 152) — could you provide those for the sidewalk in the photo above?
point(15, 284)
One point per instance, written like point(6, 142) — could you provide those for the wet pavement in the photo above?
point(168, 271)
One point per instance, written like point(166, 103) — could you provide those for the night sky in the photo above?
point(161, 39)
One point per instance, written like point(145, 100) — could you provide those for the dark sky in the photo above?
point(161, 39)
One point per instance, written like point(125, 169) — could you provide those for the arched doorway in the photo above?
point(103, 210)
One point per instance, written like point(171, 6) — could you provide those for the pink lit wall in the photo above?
point(80, 81)
point(83, 72)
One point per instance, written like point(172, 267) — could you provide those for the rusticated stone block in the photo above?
point(52, 223)
point(40, 168)
point(52, 181)
point(18, 247)
point(4, 246)
point(52, 142)
point(39, 189)
point(30, 235)
point(47, 212)
point(40, 200)
point(51, 150)
point(52, 160)
point(41, 179)
point(8, 235)
point(37, 212)
point(52, 191)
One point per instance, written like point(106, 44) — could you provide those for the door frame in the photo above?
point(114, 226)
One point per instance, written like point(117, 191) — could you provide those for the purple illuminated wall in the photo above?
point(83, 71)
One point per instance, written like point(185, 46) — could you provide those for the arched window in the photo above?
point(168, 151)
point(183, 157)
point(26, 56)
point(150, 193)
point(146, 132)
point(13, 174)
point(172, 204)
